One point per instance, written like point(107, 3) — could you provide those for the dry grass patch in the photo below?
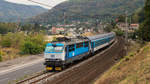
point(133, 69)
point(9, 53)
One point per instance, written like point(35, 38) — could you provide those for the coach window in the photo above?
point(86, 44)
point(71, 48)
point(96, 43)
point(79, 45)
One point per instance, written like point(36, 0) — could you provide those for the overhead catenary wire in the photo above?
point(40, 3)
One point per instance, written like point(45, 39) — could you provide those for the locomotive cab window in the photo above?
point(54, 49)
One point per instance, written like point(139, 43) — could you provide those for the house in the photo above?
point(134, 26)
point(122, 26)
point(56, 30)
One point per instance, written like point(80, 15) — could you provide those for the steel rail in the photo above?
point(35, 79)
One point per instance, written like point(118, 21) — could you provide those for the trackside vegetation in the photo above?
point(119, 32)
point(144, 31)
point(132, 69)
point(0, 56)
point(20, 40)
point(33, 44)
point(17, 44)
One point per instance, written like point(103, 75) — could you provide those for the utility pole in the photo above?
point(65, 21)
point(64, 18)
point(130, 22)
point(126, 30)
point(18, 24)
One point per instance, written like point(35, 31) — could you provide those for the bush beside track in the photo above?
point(14, 45)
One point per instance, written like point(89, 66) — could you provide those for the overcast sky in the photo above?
point(47, 2)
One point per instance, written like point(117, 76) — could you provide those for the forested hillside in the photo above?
point(81, 9)
point(10, 12)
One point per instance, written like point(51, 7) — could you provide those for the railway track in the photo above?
point(82, 73)
point(88, 71)
point(37, 78)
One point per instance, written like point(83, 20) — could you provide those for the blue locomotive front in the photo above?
point(54, 56)
point(58, 55)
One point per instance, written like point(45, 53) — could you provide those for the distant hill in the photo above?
point(81, 9)
point(10, 12)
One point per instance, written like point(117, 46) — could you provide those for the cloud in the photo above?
point(50, 3)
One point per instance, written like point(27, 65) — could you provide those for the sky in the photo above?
point(50, 3)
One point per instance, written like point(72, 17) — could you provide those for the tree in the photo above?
point(0, 56)
point(121, 18)
point(138, 16)
point(145, 26)
point(108, 28)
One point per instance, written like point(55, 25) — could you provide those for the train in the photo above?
point(59, 54)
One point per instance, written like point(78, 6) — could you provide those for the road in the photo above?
point(20, 71)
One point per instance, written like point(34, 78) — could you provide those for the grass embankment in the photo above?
point(132, 69)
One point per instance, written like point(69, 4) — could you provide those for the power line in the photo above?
point(40, 3)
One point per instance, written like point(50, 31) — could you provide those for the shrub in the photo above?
point(28, 44)
point(34, 44)
point(0, 37)
point(119, 32)
point(12, 40)
point(31, 48)
point(108, 28)
point(0, 56)
point(18, 40)
point(6, 42)
point(3, 30)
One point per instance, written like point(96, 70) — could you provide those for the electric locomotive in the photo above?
point(59, 54)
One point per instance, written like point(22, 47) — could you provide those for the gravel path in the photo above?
point(19, 61)
point(16, 69)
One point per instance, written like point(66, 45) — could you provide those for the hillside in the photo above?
point(81, 9)
point(11, 11)
point(132, 69)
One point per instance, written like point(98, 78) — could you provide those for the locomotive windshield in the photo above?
point(54, 49)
